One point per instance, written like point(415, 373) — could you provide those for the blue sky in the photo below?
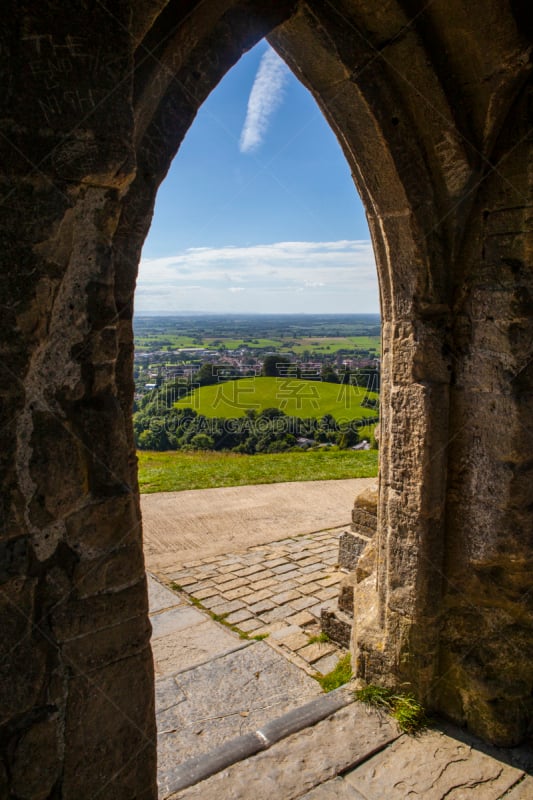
point(258, 213)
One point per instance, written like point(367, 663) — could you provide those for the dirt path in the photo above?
point(194, 524)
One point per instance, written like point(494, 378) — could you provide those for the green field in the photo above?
point(175, 471)
point(235, 344)
point(282, 344)
point(159, 341)
point(330, 344)
point(297, 398)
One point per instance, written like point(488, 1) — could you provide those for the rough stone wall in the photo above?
point(76, 683)
point(487, 621)
point(430, 103)
point(96, 103)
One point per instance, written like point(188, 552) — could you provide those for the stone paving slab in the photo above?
point(183, 636)
point(522, 791)
point(167, 694)
point(175, 619)
point(268, 584)
point(326, 663)
point(337, 789)
point(249, 625)
point(159, 597)
point(188, 647)
point(301, 761)
point(227, 697)
point(302, 619)
point(313, 652)
point(433, 766)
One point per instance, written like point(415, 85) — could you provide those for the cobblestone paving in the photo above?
point(276, 590)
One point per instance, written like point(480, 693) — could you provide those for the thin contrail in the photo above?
point(266, 96)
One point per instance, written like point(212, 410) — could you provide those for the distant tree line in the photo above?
point(271, 431)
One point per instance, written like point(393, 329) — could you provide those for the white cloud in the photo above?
point(265, 98)
point(325, 276)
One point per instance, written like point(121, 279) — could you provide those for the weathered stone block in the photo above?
point(364, 513)
point(351, 545)
point(103, 526)
point(110, 731)
point(367, 501)
point(23, 673)
point(366, 565)
point(95, 650)
point(73, 618)
point(363, 522)
point(14, 555)
point(346, 594)
point(37, 761)
point(321, 752)
point(337, 625)
point(57, 467)
point(120, 569)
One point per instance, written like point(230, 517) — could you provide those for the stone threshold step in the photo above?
point(194, 770)
point(303, 757)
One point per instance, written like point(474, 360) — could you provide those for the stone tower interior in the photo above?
point(431, 103)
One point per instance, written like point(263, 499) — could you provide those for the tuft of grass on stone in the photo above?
point(219, 617)
point(376, 696)
point(338, 676)
point(320, 638)
point(408, 713)
point(404, 708)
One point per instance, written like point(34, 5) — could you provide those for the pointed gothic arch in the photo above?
point(430, 107)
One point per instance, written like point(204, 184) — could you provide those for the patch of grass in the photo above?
point(259, 637)
point(319, 638)
point(174, 471)
point(404, 708)
point(338, 676)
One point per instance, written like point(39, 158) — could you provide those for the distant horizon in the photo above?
point(186, 313)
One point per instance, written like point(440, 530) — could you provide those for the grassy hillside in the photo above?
point(298, 398)
point(175, 471)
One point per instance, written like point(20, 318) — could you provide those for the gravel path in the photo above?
point(195, 524)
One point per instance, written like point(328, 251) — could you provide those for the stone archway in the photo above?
point(430, 106)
